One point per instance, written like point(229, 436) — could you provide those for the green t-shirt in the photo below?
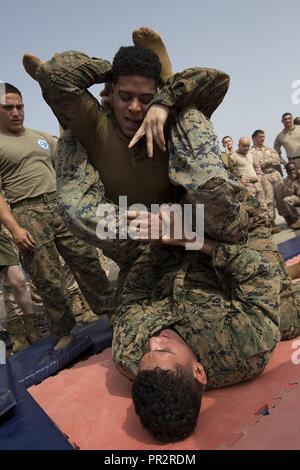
point(26, 165)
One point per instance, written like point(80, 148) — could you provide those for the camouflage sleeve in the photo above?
point(200, 87)
point(151, 301)
point(64, 81)
point(250, 306)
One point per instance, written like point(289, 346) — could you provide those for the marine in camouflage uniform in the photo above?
point(192, 172)
point(27, 172)
point(45, 269)
point(268, 159)
point(291, 191)
point(162, 279)
point(231, 310)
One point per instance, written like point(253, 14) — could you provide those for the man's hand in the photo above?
point(106, 95)
point(144, 225)
point(153, 127)
point(23, 239)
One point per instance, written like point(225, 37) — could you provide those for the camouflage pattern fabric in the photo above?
point(268, 159)
point(193, 146)
point(272, 186)
point(260, 239)
point(195, 164)
point(231, 311)
point(226, 309)
point(44, 267)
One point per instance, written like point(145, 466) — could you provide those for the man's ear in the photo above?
point(199, 373)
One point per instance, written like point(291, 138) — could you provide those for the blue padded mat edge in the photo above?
point(36, 363)
point(39, 361)
point(7, 398)
point(26, 426)
point(290, 248)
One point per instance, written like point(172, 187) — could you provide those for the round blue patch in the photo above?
point(43, 143)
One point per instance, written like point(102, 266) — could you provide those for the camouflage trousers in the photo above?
point(260, 240)
point(256, 190)
point(289, 308)
point(272, 186)
point(44, 267)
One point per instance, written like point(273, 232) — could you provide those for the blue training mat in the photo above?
point(26, 426)
point(39, 361)
point(7, 398)
point(99, 332)
point(290, 248)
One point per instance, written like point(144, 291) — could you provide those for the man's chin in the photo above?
point(129, 132)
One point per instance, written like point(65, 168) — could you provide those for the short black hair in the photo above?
point(286, 114)
point(296, 120)
point(288, 166)
point(167, 402)
point(136, 60)
point(258, 131)
point(8, 88)
point(226, 137)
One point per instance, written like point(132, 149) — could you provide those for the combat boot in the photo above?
point(274, 228)
point(295, 225)
point(16, 327)
point(76, 304)
point(88, 315)
point(32, 330)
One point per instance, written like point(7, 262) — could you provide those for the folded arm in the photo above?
point(65, 80)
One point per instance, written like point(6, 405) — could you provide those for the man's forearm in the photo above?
point(64, 81)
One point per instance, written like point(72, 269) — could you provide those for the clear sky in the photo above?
point(255, 42)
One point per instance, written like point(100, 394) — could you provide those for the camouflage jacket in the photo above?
point(194, 167)
point(225, 308)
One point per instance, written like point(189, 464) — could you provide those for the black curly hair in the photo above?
point(167, 402)
point(136, 60)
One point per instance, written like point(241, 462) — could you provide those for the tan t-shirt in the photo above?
point(290, 140)
point(243, 166)
point(26, 165)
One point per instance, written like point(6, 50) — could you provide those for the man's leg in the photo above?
point(85, 265)
point(268, 189)
point(79, 306)
point(44, 267)
point(195, 165)
point(18, 308)
point(261, 197)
